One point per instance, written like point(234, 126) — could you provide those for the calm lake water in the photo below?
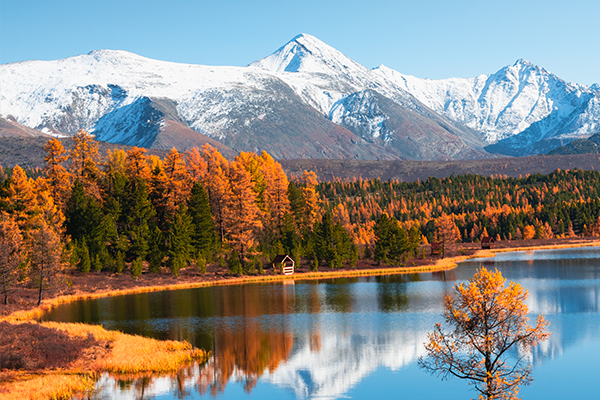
point(354, 338)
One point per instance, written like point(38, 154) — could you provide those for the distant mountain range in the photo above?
point(306, 100)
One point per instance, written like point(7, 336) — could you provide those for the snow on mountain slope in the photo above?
point(276, 99)
point(331, 82)
point(499, 105)
point(40, 93)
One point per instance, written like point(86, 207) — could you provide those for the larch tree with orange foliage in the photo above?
point(21, 198)
point(85, 157)
point(242, 219)
point(58, 178)
point(46, 256)
point(216, 184)
point(276, 192)
point(446, 231)
point(11, 252)
point(136, 165)
point(176, 187)
point(309, 200)
point(489, 341)
point(195, 164)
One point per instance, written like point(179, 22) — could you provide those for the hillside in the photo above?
point(409, 171)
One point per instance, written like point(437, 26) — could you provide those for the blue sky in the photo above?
point(426, 38)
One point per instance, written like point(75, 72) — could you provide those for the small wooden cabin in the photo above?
point(436, 248)
point(287, 261)
point(487, 242)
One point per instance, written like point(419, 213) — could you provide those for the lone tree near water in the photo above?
point(489, 323)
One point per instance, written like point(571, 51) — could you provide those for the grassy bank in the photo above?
point(60, 360)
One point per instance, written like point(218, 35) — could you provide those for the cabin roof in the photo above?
point(487, 239)
point(281, 258)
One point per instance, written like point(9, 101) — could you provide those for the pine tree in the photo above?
point(82, 256)
point(233, 263)
point(139, 211)
point(137, 267)
point(204, 239)
point(332, 242)
point(156, 251)
point(309, 200)
point(383, 241)
point(11, 251)
point(180, 240)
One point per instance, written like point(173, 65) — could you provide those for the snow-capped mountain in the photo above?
point(306, 100)
point(516, 107)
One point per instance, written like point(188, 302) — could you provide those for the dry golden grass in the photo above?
point(116, 353)
point(49, 386)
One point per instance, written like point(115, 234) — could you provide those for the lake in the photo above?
point(356, 338)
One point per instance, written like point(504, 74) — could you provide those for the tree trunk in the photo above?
point(41, 284)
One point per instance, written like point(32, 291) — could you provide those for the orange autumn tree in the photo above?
point(242, 219)
point(490, 340)
point(58, 178)
point(84, 159)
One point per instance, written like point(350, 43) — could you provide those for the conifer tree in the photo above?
point(180, 240)
point(242, 219)
point(309, 200)
point(11, 251)
point(332, 242)
point(137, 165)
point(137, 267)
point(56, 174)
point(446, 232)
point(84, 157)
point(21, 200)
point(383, 234)
point(204, 240)
point(195, 164)
point(139, 211)
point(46, 256)
point(156, 251)
point(216, 184)
point(177, 185)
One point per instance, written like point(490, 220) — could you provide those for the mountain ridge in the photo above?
point(275, 104)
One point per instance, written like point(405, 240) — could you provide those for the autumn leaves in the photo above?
point(135, 209)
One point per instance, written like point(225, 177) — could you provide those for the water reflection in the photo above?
point(323, 339)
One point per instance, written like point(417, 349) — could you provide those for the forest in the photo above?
point(129, 210)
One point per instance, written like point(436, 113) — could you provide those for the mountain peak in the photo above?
point(522, 62)
point(306, 53)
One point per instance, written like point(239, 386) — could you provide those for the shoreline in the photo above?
point(443, 264)
point(68, 382)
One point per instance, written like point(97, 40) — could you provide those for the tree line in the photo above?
point(132, 210)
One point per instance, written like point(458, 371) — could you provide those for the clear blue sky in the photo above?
point(426, 38)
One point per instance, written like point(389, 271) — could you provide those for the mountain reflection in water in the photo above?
point(327, 339)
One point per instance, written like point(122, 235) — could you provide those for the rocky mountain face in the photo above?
point(306, 100)
point(520, 110)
